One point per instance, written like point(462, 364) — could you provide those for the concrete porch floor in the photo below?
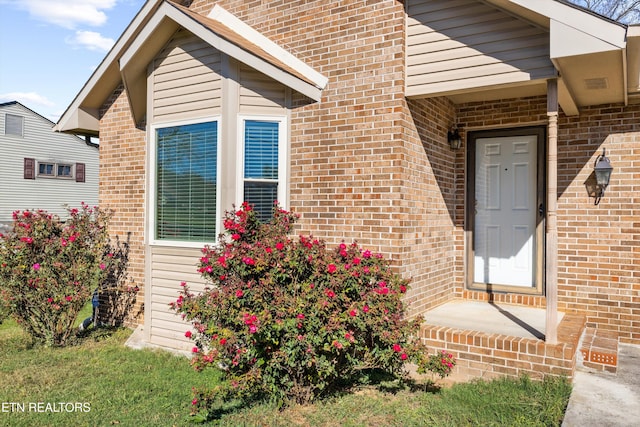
point(491, 318)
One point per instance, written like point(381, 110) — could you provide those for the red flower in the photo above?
point(194, 350)
point(68, 298)
point(403, 288)
point(366, 254)
point(331, 268)
point(223, 341)
point(353, 313)
point(397, 348)
point(187, 334)
point(279, 246)
point(239, 293)
point(330, 293)
point(194, 401)
point(248, 260)
point(235, 236)
point(365, 308)
point(403, 356)
point(300, 316)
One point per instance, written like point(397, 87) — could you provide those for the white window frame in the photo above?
point(69, 165)
point(152, 187)
point(47, 175)
point(54, 173)
point(283, 157)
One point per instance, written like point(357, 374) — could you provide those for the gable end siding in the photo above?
point(466, 44)
point(186, 80)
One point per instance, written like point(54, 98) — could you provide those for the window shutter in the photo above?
point(29, 168)
point(79, 172)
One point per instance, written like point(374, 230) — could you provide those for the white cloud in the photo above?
point(66, 13)
point(91, 40)
point(26, 98)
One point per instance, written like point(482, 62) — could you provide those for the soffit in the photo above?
point(588, 51)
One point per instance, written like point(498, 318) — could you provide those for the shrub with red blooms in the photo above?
point(50, 268)
point(288, 318)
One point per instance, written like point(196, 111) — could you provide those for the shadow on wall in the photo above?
point(116, 296)
point(439, 157)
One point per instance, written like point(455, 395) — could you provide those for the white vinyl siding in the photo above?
point(465, 44)
point(169, 267)
point(260, 94)
point(190, 83)
point(41, 144)
point(186, 80)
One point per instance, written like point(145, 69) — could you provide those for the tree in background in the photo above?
point(625, 11)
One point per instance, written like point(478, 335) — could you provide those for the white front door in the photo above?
point(505, 211)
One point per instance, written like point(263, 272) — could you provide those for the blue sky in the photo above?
point(49, 48)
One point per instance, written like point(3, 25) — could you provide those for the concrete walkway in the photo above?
point(604, 399)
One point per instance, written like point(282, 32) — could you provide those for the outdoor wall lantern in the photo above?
point(602, 170)
point(454, 138)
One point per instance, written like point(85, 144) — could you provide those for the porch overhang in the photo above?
point(150, 30)
point(595, 59)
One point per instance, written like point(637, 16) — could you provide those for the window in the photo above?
point(186, 182)
point(46, 169)
point(13, 125)
point(64, 171)
point(263, 168)
point(55, 170)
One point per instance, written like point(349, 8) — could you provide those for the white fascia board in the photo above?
point(129, 57)
point(243, 55)
point(594, 26)
point(229, 20)
point(633, 58)
point(111, 58)
point(569, 41)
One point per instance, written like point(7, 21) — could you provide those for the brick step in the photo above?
point(599, 350)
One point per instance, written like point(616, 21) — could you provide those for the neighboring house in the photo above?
point(342, 111)
point(40, 168)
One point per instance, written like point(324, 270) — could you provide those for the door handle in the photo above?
point(541, 209)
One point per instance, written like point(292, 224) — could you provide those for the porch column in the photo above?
point(551, 333)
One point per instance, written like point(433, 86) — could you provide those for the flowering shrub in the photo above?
point(290, 318)
point(441, 363)
point(50, 268)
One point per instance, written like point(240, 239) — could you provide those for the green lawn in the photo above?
point(105, 383)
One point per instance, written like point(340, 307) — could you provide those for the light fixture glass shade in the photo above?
point(603, 170)
point(454, 138)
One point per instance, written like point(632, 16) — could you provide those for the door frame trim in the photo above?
point(472, 136)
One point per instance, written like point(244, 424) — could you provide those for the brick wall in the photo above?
point(599, 245)
point(122, 179)
point(368, 165)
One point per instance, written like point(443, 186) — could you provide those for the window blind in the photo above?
point(261, 166)
point(186, 183)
